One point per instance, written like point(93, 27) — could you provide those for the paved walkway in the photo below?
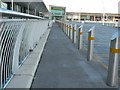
point(63, 66)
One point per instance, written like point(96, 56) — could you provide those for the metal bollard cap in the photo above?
point(81, 26)
point(93, 28)
point(114, 36)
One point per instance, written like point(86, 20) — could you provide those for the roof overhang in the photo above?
point(39, 5)
point(10, 13)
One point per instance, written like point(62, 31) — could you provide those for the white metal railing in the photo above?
point(8, 13)
point(17, 38)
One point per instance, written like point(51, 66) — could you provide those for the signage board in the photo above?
point(57, 11)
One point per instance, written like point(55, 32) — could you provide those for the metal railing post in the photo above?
point(112, 78)
point(75, 31)
point(90, 43)
point(80, 37)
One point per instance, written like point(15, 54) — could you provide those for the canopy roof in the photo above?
point(39, 5)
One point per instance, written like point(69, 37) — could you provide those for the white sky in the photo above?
point(94, 6)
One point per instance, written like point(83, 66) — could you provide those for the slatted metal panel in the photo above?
point(32, 31)
point(8, 33)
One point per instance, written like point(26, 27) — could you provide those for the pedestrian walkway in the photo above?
point(63, 66)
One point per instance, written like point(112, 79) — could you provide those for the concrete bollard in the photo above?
point(71, 32)
point(74, 32)
point(90, 43)
point(112, 77)
point(80, 37)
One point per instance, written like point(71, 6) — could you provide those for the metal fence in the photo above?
point(17, 39)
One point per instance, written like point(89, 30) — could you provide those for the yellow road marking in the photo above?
point(97, 58)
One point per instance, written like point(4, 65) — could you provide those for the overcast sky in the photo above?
point(96, 6)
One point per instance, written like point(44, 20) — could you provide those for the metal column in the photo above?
point(75, 31)
point(90, 43)
point(80, 37)
point(71, 32)
point(112, 78)
point(68, 30)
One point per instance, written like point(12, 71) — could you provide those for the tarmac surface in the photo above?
point(64, 66)
point(103, 35)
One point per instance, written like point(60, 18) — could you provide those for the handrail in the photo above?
point(10, 13)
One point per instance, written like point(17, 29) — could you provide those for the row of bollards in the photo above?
point(76, 35)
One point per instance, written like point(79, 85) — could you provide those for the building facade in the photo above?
point(76, 16)
point(37, 8)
